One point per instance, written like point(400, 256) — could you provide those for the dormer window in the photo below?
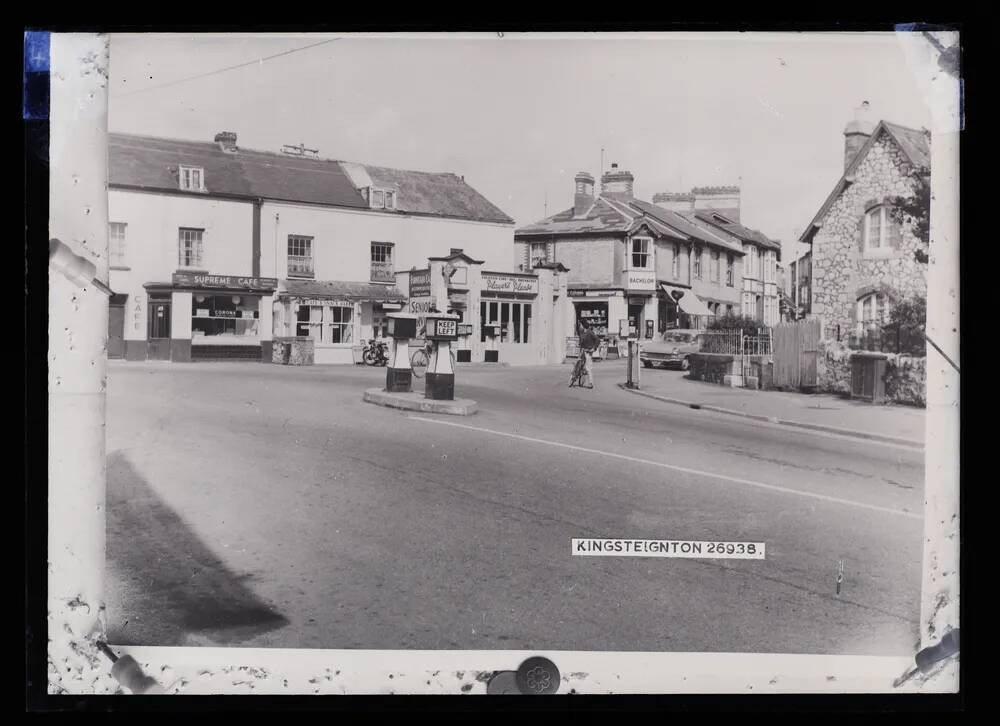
point(380, 198)
point(192, 178)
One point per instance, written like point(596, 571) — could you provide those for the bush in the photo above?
point(748, 325)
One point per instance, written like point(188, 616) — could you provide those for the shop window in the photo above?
point(190, 247)
point(231, 316)
point(595, 314)
point(514, 319)
point(300, 256)
point(640, 253)
point(333, 324)
point(116, 242)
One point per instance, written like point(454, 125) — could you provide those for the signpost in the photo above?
point(439, 380)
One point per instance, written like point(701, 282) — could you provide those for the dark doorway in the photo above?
point(159, 329)
point(116, 327)
point(635, 320)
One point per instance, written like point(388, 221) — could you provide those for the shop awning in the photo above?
point(689, 302)
point(337, 290)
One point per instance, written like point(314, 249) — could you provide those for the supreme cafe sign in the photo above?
point(223, 282)
point(499, 282)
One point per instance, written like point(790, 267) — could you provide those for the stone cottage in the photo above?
point(862, 261)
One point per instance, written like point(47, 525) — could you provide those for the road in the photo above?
point(268, 506)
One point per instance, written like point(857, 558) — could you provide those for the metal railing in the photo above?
point(300, 265)
point(382, 272)
point(736, 342)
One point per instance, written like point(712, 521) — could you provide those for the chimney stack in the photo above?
point(617, 184)
point(725, 200)
point(858, 130)
point(226, 141)
point(675, 201)
point(584, 193)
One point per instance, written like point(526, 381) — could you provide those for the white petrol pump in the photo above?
point(399, 374)
point(439, 381)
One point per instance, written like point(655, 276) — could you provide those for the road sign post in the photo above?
point(439, 381)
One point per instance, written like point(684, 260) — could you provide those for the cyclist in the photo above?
point(588, 344)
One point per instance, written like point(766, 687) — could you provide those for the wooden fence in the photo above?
point(796, 353)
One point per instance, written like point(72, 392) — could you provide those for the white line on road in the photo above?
point(685, 470)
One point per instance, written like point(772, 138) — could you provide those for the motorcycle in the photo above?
point(376, 353)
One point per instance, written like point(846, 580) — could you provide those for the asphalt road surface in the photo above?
point(268, 506)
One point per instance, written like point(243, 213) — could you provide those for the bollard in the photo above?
point(439, 380)
point(633, 364)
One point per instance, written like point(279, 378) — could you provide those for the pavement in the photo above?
point(269, 506)
point(823, 412)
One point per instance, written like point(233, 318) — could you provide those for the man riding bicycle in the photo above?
point(588, 344)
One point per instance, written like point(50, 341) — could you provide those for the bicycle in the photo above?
point(579, 373)
point(422, 358)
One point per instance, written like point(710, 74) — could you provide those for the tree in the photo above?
point(915, 210)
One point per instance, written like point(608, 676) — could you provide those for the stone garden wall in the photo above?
point(905, 376)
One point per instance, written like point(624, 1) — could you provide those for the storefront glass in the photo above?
point(514, 319)
point(218, 317)
point(595, 314)
point(331, 323)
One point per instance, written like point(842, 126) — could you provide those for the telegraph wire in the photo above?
point(222, 70)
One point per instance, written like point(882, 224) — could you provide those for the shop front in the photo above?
point(339, 317)
point(506, 313)
point(207, 317)
point(680, 307)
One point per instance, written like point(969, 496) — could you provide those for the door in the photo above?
point(116, 330)
point(159, 330)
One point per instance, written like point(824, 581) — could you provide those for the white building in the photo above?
point(217, 250)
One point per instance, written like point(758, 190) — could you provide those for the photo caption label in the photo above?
point(689, 549)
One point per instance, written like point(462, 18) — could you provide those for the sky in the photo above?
point(519, 115)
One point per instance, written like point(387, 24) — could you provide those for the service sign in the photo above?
point(442, 329)
point(223, 282)
point(420, 283)
point(640, 280)
point(496, 282)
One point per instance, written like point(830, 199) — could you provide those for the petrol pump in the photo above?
point(439, 380)
point(399, 374)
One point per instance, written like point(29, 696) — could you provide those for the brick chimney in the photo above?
point(226, 141)
point(675, 201)
point(584, 197)
point(857, 131)
point(725, 200)
point(617, 184)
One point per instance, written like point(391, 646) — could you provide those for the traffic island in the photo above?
point(411, 401)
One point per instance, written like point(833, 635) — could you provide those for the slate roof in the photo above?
point(686, 224)
point(915, 145)
point(601, 217)
point(736, 229)
point(151, 163)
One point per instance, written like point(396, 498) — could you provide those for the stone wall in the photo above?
point(905, 376)
point(711, 367)
point(839, 266)
point(301, 351)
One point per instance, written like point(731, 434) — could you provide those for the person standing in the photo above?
point(588, 344)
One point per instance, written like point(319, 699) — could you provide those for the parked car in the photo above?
point(671, 349)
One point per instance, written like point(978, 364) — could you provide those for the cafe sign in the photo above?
point(223, 282)
point(496, 282)
point(640, 280)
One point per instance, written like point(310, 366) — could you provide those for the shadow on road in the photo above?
point(165, 587)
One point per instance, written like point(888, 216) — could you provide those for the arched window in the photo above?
point(881, 233)
point(873, 311)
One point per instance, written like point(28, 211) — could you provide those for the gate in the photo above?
point(796, 353)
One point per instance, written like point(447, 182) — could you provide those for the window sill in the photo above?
point(120, 267)
point(197, 270)
point(878, 254)
point(302, 276)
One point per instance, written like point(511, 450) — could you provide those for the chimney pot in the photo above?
point(226, 140)
point(857, 132)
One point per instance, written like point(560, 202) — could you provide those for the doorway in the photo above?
point(635, 320)
point(158, 346)
point(116, 327)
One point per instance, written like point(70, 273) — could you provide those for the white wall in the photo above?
point(151, 240)
point(342, 240)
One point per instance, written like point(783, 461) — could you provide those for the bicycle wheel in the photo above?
point(418, 362)
point(369, 357)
